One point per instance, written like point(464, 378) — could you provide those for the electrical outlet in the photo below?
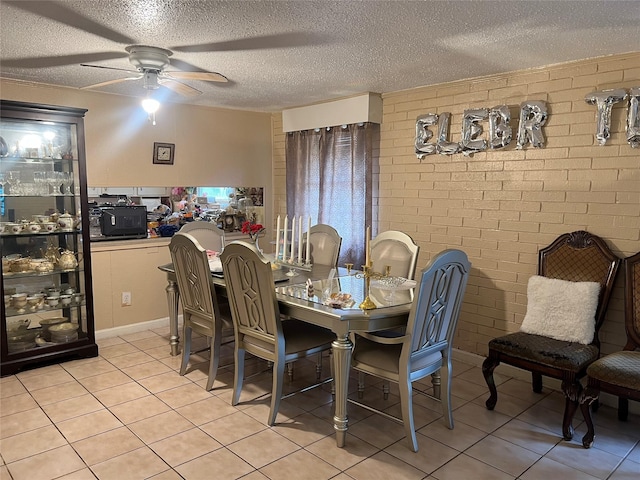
point(126, 299)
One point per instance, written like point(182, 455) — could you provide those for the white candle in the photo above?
point(284, 245)
point(277, 237)
point(308, 259)
point(293, 238)
point(300, 239)
point(366, 246)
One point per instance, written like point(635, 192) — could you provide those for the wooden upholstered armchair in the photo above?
point(619, 372)
point(575, 257)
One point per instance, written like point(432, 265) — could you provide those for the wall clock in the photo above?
point(163, 153)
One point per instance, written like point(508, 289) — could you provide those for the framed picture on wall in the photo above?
point(163, 153)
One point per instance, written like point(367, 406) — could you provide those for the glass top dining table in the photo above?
point(392, 310)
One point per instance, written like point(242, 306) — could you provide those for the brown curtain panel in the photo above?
point(329, 179)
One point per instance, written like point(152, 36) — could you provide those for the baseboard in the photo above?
point(552, 383)
point(133, 328)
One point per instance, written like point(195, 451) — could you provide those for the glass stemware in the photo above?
point(40, 179)
point(12, 178)
point(53, 179)
point(67, 181)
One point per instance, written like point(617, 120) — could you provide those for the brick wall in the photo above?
point(502, 206)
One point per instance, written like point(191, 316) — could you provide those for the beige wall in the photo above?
point(214, 147)
point(502, 206)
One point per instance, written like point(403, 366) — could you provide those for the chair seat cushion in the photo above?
point(619, 368)
point(298, 337)
point(558, 354)
point(386, 357)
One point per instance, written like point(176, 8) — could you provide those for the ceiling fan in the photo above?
point(150, 63)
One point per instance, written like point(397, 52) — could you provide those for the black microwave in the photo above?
point(123, 222)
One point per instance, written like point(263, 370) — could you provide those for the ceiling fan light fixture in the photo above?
point(151, 80)
point(151, 106)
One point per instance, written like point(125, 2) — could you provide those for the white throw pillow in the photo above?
point(560, 309)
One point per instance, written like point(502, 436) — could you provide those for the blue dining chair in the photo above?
point(425, 346)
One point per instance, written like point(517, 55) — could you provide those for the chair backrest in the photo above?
point(581, 257)
point(324, 242)
point(397, 250)
point(206, 233)
point(194, 279)
point(632, 301)
point(252, 295)
point(436, 307)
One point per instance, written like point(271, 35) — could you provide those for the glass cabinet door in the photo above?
point(47, 292)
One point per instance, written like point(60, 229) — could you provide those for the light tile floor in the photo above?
point(128, 415)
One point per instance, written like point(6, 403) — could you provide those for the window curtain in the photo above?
point(329, 176)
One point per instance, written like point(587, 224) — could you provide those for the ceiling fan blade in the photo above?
point(61, 60)
point(278, 40)
point(110, 82)
point(63, 14)
point(202, 76)
point(181, 88)
point(109, 68)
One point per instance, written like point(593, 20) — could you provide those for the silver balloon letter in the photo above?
point(633, 118)
point(604, 101)
point(471, 130)
point(444, 147)
point(499, 129)
point(423, 135)
point(533, 115)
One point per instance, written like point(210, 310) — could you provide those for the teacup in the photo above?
point(45, 266)
point(52, 301)
point(78, 297)
point(41, 218)
point(34, 227)
point(3, 227)
point(49, 226)
point(14, 227)
point(65, 300)
point(19, 300)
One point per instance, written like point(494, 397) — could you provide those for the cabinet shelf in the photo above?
point(14, 312)
point(41, 234)
point(31, 273)
point(57, 195)
point(33, 190)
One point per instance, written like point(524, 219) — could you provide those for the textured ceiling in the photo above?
point(280, 54)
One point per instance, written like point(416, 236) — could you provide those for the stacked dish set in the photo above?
point(42, 224)
point(51, 330)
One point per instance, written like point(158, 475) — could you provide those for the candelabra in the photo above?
point(368, 274)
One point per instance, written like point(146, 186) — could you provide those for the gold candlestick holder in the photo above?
point(368, 273)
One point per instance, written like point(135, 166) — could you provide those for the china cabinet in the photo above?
point(47, 313)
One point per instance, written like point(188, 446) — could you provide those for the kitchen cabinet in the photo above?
point(47, 313)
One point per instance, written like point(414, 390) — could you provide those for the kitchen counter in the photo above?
point(111, 245)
